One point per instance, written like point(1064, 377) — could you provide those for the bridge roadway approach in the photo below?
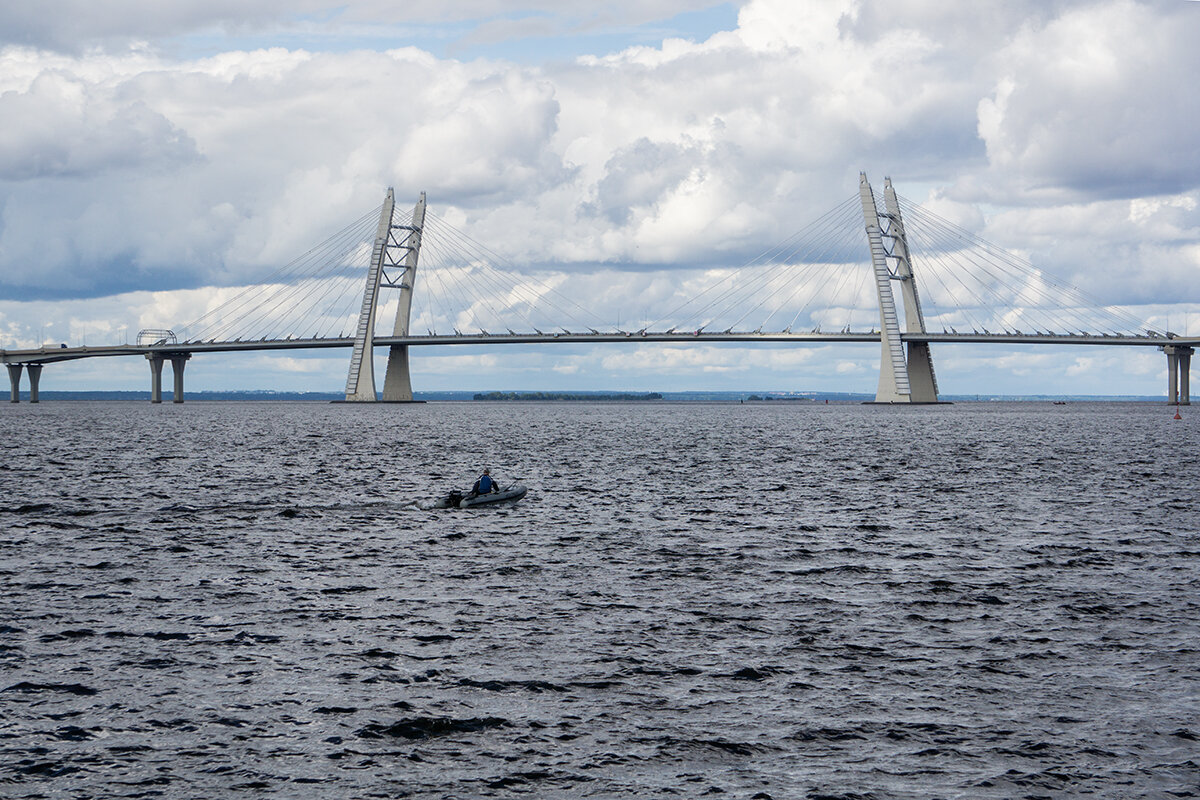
point(1178, 349)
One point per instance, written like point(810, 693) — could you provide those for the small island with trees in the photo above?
point(616, 397)
point(760, 398)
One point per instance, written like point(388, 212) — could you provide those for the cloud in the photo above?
point(642, 174)
point(72, 25)
point(688, 152)
point(77, 25)
point(62, 135)
point(672, 359)
point(479, 364)
point(1120, 251)
point(1080, 107)
point(275, 149)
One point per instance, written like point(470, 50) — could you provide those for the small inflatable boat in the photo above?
point(509, 494)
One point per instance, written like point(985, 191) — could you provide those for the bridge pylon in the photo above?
point(901, 380)
point(394, 266)
point(397, 384)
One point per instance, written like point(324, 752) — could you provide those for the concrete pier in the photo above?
point(14, 379)
point(35, 375)
point(1179, 367)
point(156, 365)
point(1185, 369)
point(178, 360)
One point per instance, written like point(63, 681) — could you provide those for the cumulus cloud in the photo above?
point(1083, 108)
point(60, 133)
point(1142, 250)
point(220, 167)
point(674, 359)
point(685, 153)
point(72, 25)
point(76, 25)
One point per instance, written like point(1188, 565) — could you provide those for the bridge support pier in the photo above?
point(178, 360)
point(35, 375)
point(397, 384)
point(14, 379)
point(1179, 367)
point(156, 365)
point(1185, 368)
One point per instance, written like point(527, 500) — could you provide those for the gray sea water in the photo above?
point(745, 601)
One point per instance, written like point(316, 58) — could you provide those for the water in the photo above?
point(977, 601)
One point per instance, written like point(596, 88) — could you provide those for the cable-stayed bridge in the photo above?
point(914, 280)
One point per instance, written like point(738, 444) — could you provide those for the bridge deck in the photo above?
point(45, 355)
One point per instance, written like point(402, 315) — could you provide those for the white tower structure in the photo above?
point(397, 384)
point(900, 380)
point(394, 266)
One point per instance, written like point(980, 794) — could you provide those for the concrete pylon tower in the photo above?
point(893, 372)
point(921, 377)
point(393, 266)
point(900, 380)
point(397, 384)
point(360, 382)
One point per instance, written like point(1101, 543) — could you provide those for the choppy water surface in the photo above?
point(977, 601)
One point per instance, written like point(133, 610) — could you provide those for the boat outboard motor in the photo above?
point(455, 498)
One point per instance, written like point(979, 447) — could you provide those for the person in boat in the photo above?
point(485, 484)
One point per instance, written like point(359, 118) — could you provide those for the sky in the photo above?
point(152, 155)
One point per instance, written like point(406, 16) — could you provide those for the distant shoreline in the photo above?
point(571, 397)
point(496, 396)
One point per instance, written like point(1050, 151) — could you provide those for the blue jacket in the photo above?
point(483, 485)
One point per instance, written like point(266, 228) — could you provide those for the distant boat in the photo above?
point(456, 499)
point(1060, 402)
